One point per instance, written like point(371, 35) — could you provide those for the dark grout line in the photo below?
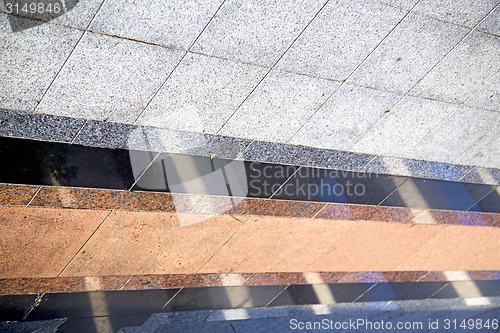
point(180, 61)
point(272, 67)
point(77, 252)
point(279, 188)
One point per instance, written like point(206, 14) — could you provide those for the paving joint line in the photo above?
point(68, 57)
point(177, 65)
point(272, 67)
point(420, 80)
point(85, 243)
point(347, 78)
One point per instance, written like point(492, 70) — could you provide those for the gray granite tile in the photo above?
point(491, 23)
point(456, 134)
point(483, 175)
point(417, 168)
point(201, 94)
point(305, 156)
point(109, 78)
point(279, 106)
point(38, 126)
point(104, 134)
point(256, 31)
point(488, 97)
point(345, 118)
point(485, 153)
point(155, 22)
point(406, 4)
point(72, 13)
point(463, 71)
point(397, 66)
point(225, 147)
point(403, 127)
point(30, 60)
point(464, 12)
point(340, 37)
point(79, 13)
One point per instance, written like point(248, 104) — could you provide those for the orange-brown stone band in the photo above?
point(42, 242)
point(143, 282)
point(83, 198)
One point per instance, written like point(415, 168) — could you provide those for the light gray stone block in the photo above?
point(81, 14)
point(345, 118)
point(488, 97)
point(340, 37)
point(201, 94)
point(483, 175)
point(407, 123)
point(406, 4)
point(396, 65)
point(109, 78)
point(463, 71)
point(170, 23)
point(278, 107)
point(456, 134)
point(486, 152)
point(256, 31)
point(491, 23)
point(30, 60)
point(464, 12)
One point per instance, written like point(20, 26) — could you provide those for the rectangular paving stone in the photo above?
point(488, 97)
point(276, 244)
point(340, 37)
point(417, 168)
point(456, 134)
point(152, 243)
point(453, 249)
point(156, 23)
point(463, 12)
point(463, 71)
point(40, 242)
point(402, 128)
point(122, 76)
point(476, 154)
point(38, 126)
point(397, 66)
point(79, 13)
point(269, 29)
point(491, 23)
point(201, 94)
point(30, 60)
point(345, 118)
point(282, 103)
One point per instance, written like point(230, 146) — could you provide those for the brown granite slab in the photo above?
point(16, 195)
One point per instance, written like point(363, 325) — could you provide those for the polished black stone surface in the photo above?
point(211, 298)
point(15, 307)
point(401, 291)
point(308, 294)
point(313, 184)
point(437, 194)
point(213, 176)
point(101, 303)
point(48, 163)
point(490, 203)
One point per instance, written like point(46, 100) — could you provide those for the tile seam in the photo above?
point(272, 67)
point(413, 87)
point(91, 235)
point(177, 65)
point(350, 74)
